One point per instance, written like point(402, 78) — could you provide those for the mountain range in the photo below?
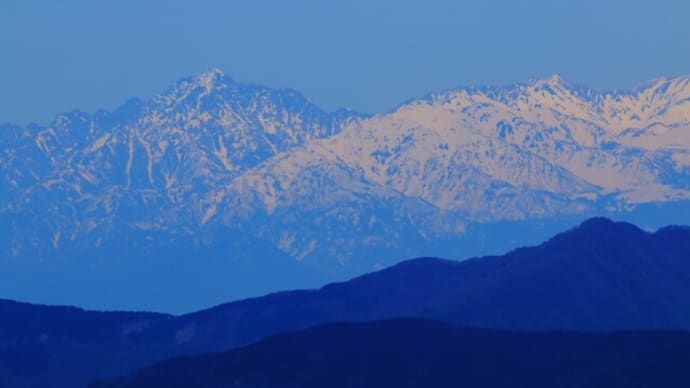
point(92, 201)
point(602, 276)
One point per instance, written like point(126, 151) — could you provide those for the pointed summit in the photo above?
point(213, 79)
point(556, 79)
point(214, 72)
point(553, 81)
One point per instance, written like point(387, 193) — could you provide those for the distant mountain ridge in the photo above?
point(340, 191)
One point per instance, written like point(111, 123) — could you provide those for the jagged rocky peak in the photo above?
point(668, 86)
point(553, 81)
point(213, 80)
point(212, 77)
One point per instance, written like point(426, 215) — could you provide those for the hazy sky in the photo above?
point(59, 55)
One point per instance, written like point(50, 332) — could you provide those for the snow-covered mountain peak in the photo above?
point(643, 117)
point(555, 80)
point(213, 79)
point(672, 90)
point(212, 151)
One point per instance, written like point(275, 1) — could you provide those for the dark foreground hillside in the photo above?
point(60, 346)
point(417, 353)
point(601, 276)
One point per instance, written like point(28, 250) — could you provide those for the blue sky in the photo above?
point(369, 55)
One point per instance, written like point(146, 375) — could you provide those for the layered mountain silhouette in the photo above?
point(341, 192)
point(28, 322)
point(600, 276)
point(60, 346)
point(416, 353)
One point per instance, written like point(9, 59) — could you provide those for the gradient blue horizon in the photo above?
point(365, 55)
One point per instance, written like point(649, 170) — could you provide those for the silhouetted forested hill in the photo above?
point(600, 276)
point(416, 353)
